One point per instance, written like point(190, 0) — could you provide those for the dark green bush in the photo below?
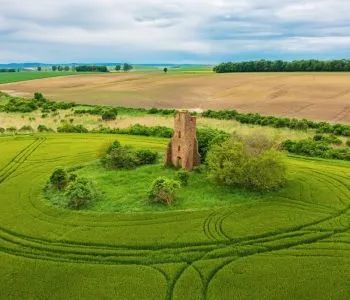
point(80, 193)
point(2, 130)
point(109, 116)
point(163, 190)
point(42, 128)
point(348, 142)
point(27, 128)
point(72, 128)
point(11, 129)
point(329, 139)
point(146, 157)
point(183, 176)
point(116, 144)
point(207, 137)
point(59, 178)
point(120, 158)
point(316, 149)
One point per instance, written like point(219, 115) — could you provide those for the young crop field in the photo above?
point(316, 96)
point(24, 76)
point(290, 244)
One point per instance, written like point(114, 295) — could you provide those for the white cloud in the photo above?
point(153, 29)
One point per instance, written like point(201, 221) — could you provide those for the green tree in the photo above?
point(238, 163)
point(165, 70)
point(59, 178)
point(66, 68)
point(118, 67)
point(39, 68)
point(54, 68)
point(80, 193)
point(127, 67)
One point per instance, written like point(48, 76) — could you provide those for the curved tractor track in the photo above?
point(307, 223)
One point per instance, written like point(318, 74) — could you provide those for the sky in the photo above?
point(173, 31)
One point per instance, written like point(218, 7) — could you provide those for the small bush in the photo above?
point(42, 128)
point(182, 176)
point(120, 158)
point(109, 116)
point(72, 128)
point(163, 190)
point(348, 142)
point(2, 130)
point(59, 178)
point(146, 157)
point(80, 193)
point(116, 144)
point(11, 129)
point(26, 128)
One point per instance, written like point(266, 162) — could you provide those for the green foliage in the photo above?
point(2, 130)
point(88, 68)
point(72, 128)
point(277, 122)
point(116, 144)
point(109, 116)
point(239, 163)
point(165, 70)
point(314, 148)
point(137, 129)
point(183, 176)
point(125, 157)
point(118, 67)
point(146, 157)
point(311, 65)
point(208, 137)
point(11, 129)
point(163, 190)
point(80, 193)
point(26, 128)
point(127, 67)
point(348, 142)
point(59, 178)
point(330, 139)
point(120, 158)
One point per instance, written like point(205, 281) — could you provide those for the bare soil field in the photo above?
point(318, 96)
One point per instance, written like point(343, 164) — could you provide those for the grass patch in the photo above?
point(24, 76)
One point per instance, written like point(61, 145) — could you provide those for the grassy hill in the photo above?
point(293, 244)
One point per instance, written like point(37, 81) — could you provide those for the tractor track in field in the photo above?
point(19, 159)
point(221, 244)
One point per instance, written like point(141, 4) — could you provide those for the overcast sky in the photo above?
point(178, 31)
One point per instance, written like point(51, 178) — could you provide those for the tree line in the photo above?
point(7, 70)
point(311, 65)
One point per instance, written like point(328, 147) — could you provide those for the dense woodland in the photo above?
point(311, 65)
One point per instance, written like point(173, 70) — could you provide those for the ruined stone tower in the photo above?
point(182, 151)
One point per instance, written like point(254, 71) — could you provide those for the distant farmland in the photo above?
point(318, 96)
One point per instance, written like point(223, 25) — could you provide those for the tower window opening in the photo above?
point(179, 134)
point(179, 148)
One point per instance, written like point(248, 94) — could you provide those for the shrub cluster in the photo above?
point(313, 148)
point(72, 128)
point(311, 65)
point(329, 139)
point(163, 190)
point(208, 137)
point(23, 105)
point(78, 192)
point(87, 68)
point(257, 119)
point(7, 70)
point(125, 157)
point(183, 176)
point(348, 142)
point(242, 162)
point(137, 129)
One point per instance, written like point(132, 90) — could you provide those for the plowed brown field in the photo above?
point(318, 96)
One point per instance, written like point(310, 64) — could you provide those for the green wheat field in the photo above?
point(291, 244)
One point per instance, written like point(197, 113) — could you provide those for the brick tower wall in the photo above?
point(183, 149)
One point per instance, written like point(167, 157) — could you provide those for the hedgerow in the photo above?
point(313, 148)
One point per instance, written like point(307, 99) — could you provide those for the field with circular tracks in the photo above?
point(294, 245)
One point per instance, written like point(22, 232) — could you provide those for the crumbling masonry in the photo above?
point(182, 151)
